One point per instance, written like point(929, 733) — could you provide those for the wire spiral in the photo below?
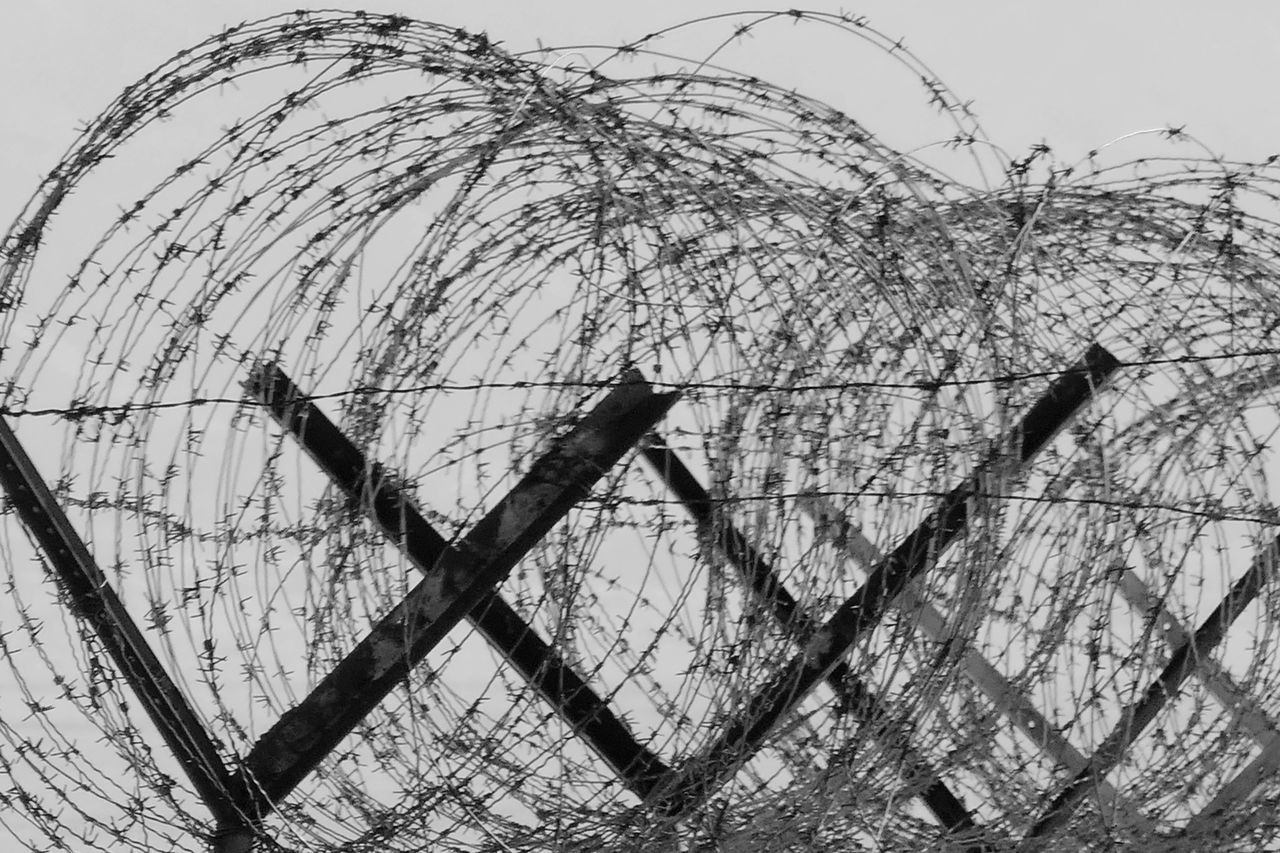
point(454, 250)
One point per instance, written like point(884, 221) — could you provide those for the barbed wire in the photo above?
point(77, 412)
point(460, 250)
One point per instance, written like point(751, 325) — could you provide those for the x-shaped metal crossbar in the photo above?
point(461, 580)
point(767, 586)
point(825, 648)
point(460, 584)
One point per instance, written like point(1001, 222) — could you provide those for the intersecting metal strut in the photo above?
point(1244, 709)
point(367, 484)
point(1265, 764)
point(95, 602)
point(459, 581)
point(690, 784)
point(1182, 663)
point(763, 580)
point(1007, 698)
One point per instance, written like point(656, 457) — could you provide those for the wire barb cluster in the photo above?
point(455, 251)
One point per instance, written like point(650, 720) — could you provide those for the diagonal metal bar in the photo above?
point(763, 580)
point(1013, 703)
point(458, 582)
point(95, 602)
point(1247, 713)
point(1182, 663)
point(693, 782)
point(399, 518)
point(1238, 789)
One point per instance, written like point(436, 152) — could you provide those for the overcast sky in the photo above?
point(1074, 75)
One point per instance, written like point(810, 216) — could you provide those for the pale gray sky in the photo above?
point(1075, 75)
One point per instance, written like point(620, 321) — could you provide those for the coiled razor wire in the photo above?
point(456, 250)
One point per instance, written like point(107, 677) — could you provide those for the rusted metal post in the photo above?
point(1182, 663)
point(690, 784)
point(855, 696)
point(94, 602)
point(400, 519)
point(459, 581)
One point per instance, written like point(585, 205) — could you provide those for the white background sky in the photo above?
point(1072, 74)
